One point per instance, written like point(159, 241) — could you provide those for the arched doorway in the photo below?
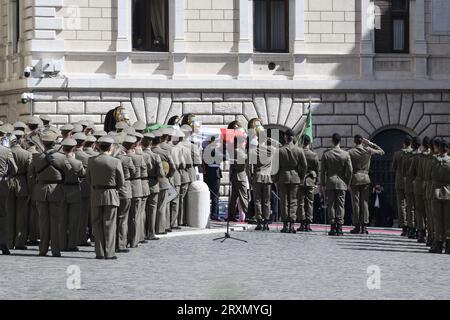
point(390, 140)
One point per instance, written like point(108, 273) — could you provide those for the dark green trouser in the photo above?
point(17, 220)
point(261, 194)
point(69, 224)
point(360, 202)
point(122, 224)
point(143, 218)
point(161, 222)
point(410, 210)
point(104, 224)
point(134, 222)
point(305, 203)
point(336, 206)
point(441, 215)
point(175, 209)
point(49, 219)
point(238, 192)
point(152, 207)
point(182, 210)
point(401, 207)
point(288, 201)
point(419, 202)
point(33, 222)
point(3, 226)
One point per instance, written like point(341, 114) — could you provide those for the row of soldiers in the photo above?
point(68, 185)
point(422, 185)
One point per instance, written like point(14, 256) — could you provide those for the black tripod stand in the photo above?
point(227, 234)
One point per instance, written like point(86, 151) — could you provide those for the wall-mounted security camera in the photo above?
point(27, 71)
point(26, 97)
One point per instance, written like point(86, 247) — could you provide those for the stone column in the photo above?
point(245, 39)
point(179, 46)
point(124, 38)
point(420, 43)
point(297, 7)
point(367, 47)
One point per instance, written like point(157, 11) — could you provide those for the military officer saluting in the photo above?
point(47, 169)
point(8, 168)
point(74, 171)
point(441, 199)
point(397, 166)
point(19, 204)
point(360, 156)
point(292, 168)
point(105, 177)
point(306, 189)
point(335, 177)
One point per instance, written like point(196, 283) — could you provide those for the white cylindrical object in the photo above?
point(198, 205)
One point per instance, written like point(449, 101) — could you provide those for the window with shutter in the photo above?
point(271, 25)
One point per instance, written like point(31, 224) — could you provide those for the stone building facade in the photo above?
point(85, 65)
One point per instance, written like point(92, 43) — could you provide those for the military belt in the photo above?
point(104, 187)
point(71, 183)
point(361, 171)
point(51, 182)
point(134, 179)
point(143, 178)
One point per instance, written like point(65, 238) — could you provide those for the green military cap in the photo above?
point(18, 133)
point(77, 128)
point(19, 125)
point(34, 120)
point(67, 127)
point(7, 128)
point(99, 133)
point(129, 130)
point(121, 125)
point(111, 134)
point(49, 136)
point(139, 125)
point(83, 123)
point(118, 139)
point(45, 118)
point(157, 133)
point(106, 140)
point(55, 130)
point(3, 129)
point(137, 135)
point(91, 138)
point(90, 125)
point(79, 136)
point(130, 139)
point(68, 142)
point(149, 135)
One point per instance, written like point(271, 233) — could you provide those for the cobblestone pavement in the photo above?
point(270, 266)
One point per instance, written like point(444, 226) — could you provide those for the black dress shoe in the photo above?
point(404, 232)
point(259, 227)
point(292, 228)
point(111, 258)
point(333, 231)
point(161, 233)
point(56, 255)
point(33, 243)
point(153, 239)
point(6, 252)
point(22, 248)
point(168, 230)
point(123, 250)
point(266, 227)
point(176, 228)
point(99, 258)
point(143, 241)
point(42, 254)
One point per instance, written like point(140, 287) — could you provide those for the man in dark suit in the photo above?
point(212, 177)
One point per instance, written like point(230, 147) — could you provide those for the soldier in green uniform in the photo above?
point(397, 166)
point(306, 188)
point(105, 177)
point(125, 196)
point(89, 146)
point(47, 170)
point(409, 187)
point(361, 155)
point(155, 172)
point(335, 177)
point(441, 199)
point(292, 168)
point(428, 166)
point(74, 171)
point(19, 200)
point(80, 154)
point(134, 218)
point(8, 168)
point(164, 183)
point(417, 171)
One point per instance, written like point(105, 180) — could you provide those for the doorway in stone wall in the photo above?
point(390, 140)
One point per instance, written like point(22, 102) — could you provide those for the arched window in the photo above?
point(150, 25)
point(392, 36)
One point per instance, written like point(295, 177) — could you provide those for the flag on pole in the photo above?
point(307, 128)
